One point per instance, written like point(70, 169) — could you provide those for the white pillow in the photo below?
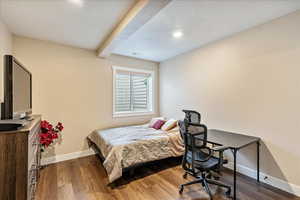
point(170, 124)
point(153, 120)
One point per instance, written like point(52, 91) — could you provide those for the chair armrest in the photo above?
point(219, 148)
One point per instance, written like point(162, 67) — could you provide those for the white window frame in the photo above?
point(151, 93)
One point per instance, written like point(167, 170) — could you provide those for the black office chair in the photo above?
point(194, 117)
point(199, 160)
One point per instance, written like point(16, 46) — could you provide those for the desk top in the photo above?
point(229, 139)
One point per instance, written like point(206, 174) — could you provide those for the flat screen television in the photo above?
point(17, 90)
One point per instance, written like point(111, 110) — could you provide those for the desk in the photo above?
point(235, 142)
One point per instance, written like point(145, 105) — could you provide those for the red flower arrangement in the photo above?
point(49, 133)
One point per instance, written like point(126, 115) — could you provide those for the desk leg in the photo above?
point(258, 162)
point(234, 174)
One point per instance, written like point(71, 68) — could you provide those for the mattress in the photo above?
point(131, 145)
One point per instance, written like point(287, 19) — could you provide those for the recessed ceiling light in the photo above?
point(177, 34)
point(77, 2)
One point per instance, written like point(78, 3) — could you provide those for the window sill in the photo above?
point(132, 114)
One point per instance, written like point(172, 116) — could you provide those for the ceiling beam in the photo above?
point(141, 12)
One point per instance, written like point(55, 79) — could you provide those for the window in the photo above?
point(133, 92)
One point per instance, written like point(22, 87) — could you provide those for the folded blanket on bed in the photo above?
point(127, 146)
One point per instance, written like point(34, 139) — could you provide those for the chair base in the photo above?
point(204, 182)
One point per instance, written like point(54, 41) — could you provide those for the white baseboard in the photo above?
point(265, 178)
point(64, 157)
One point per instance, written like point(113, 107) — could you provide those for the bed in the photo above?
point(125, 147)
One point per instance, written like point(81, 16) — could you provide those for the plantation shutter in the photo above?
point(140, 92)
point(122, 92)
point(131, 91)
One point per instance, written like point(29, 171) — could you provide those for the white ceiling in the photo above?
point(82, 25)
point(202, 21)
point(87, 25)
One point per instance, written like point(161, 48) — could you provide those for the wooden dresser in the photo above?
point(20, 161)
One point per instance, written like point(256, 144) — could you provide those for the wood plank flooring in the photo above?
point(86, 179)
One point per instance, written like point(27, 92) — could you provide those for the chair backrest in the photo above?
point(192, 146)
point(188, 130)
point(192, 116)
point(192, 123)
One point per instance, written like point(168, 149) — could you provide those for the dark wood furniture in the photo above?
point(235, 142)
point(20, 161)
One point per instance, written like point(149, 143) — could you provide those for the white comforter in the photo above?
point(126, 146)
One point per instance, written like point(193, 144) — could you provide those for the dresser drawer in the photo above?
point(33, 161)
point(34, 132)
point(32, 181)
point(33, 144)
point(32, 151)
point(19, 161)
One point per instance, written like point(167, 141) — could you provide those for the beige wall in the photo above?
point(248, 83)
point(5, 48)
point(74, 86)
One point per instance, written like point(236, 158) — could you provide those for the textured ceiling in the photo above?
point(87, 23)
point(202, 22)
point(84, 24)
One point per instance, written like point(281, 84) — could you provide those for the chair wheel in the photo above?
point(181, 189)
point(184, 176)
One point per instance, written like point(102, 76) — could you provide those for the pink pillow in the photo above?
point(158, 124)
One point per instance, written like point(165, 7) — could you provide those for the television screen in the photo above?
point(21, 89)
point(17, 90)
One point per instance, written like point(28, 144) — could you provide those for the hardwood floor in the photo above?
point(85, 179)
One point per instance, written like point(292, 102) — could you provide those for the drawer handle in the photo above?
point(33, 167)
point(33, 181)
